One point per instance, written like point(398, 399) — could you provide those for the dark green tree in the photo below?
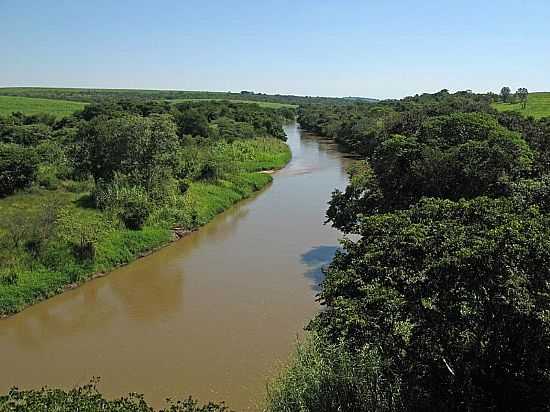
point(456, 298)
point(18, 167)
point(140, 148)
point(505, 94)
point(522, 95)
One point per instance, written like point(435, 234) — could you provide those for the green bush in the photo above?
point(18, 167)
point(88, 399)
point(47, 176)
point(80, 233)
point(130, 204)
point(26, 135)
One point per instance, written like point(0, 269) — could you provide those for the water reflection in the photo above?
point(317, 259)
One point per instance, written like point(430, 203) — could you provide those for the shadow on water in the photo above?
point(317, 259)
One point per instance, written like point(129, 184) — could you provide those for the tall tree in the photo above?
point(505, 93)
point(522, 95)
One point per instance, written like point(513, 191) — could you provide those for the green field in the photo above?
point(27, 105)
point(62, 108)
point(94, 95)
point(271, 105)
point(538, 106)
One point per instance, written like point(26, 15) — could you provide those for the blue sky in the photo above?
point(333, 48)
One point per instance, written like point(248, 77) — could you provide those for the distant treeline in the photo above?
point(85, 193)
point(94, 95)
point(440, 298)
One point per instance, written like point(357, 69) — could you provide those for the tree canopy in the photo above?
point(444, 283)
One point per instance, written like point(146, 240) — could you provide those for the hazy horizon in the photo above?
point(348, 48)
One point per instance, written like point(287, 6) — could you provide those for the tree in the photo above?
point(522, 95)
point(18, 167)
point(461, 155)
point(140, 148)
point(455, 296)
point(361, 196)
point(192, 122)
point(505, 93)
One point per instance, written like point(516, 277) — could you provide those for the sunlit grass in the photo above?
point(29, 105)
point(538, 106)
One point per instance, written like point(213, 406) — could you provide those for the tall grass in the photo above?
point(327, 377)
point(206, 200)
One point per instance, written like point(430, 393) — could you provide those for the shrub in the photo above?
point(324, 377)
point(88, 399)
point(26, 135)
point(134, 212)
point(80, 233)
point(129, 203)
point(18, 167)
point(78, 186)
point(47, 177)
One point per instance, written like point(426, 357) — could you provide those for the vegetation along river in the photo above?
point(211, 315)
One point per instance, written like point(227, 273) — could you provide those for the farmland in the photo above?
point(538, 106)
point(29, 106)
point(94, 95)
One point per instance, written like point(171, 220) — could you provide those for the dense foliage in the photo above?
point(18, 167)
point(88, 399)
point(456, 296)
point(441, 294)
point(85, 193)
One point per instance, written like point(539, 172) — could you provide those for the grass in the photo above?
point(25, 279)
point(321, 376)
point(538, 105)
point(29, 105)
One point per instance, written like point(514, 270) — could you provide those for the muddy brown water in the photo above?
point(212, 315)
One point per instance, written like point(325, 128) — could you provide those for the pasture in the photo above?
point(28, 105)
point(538, 105)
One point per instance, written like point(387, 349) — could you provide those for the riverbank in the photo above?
point(32, 280)
point(210, 315)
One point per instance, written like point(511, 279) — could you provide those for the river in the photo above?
point(211, 315)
